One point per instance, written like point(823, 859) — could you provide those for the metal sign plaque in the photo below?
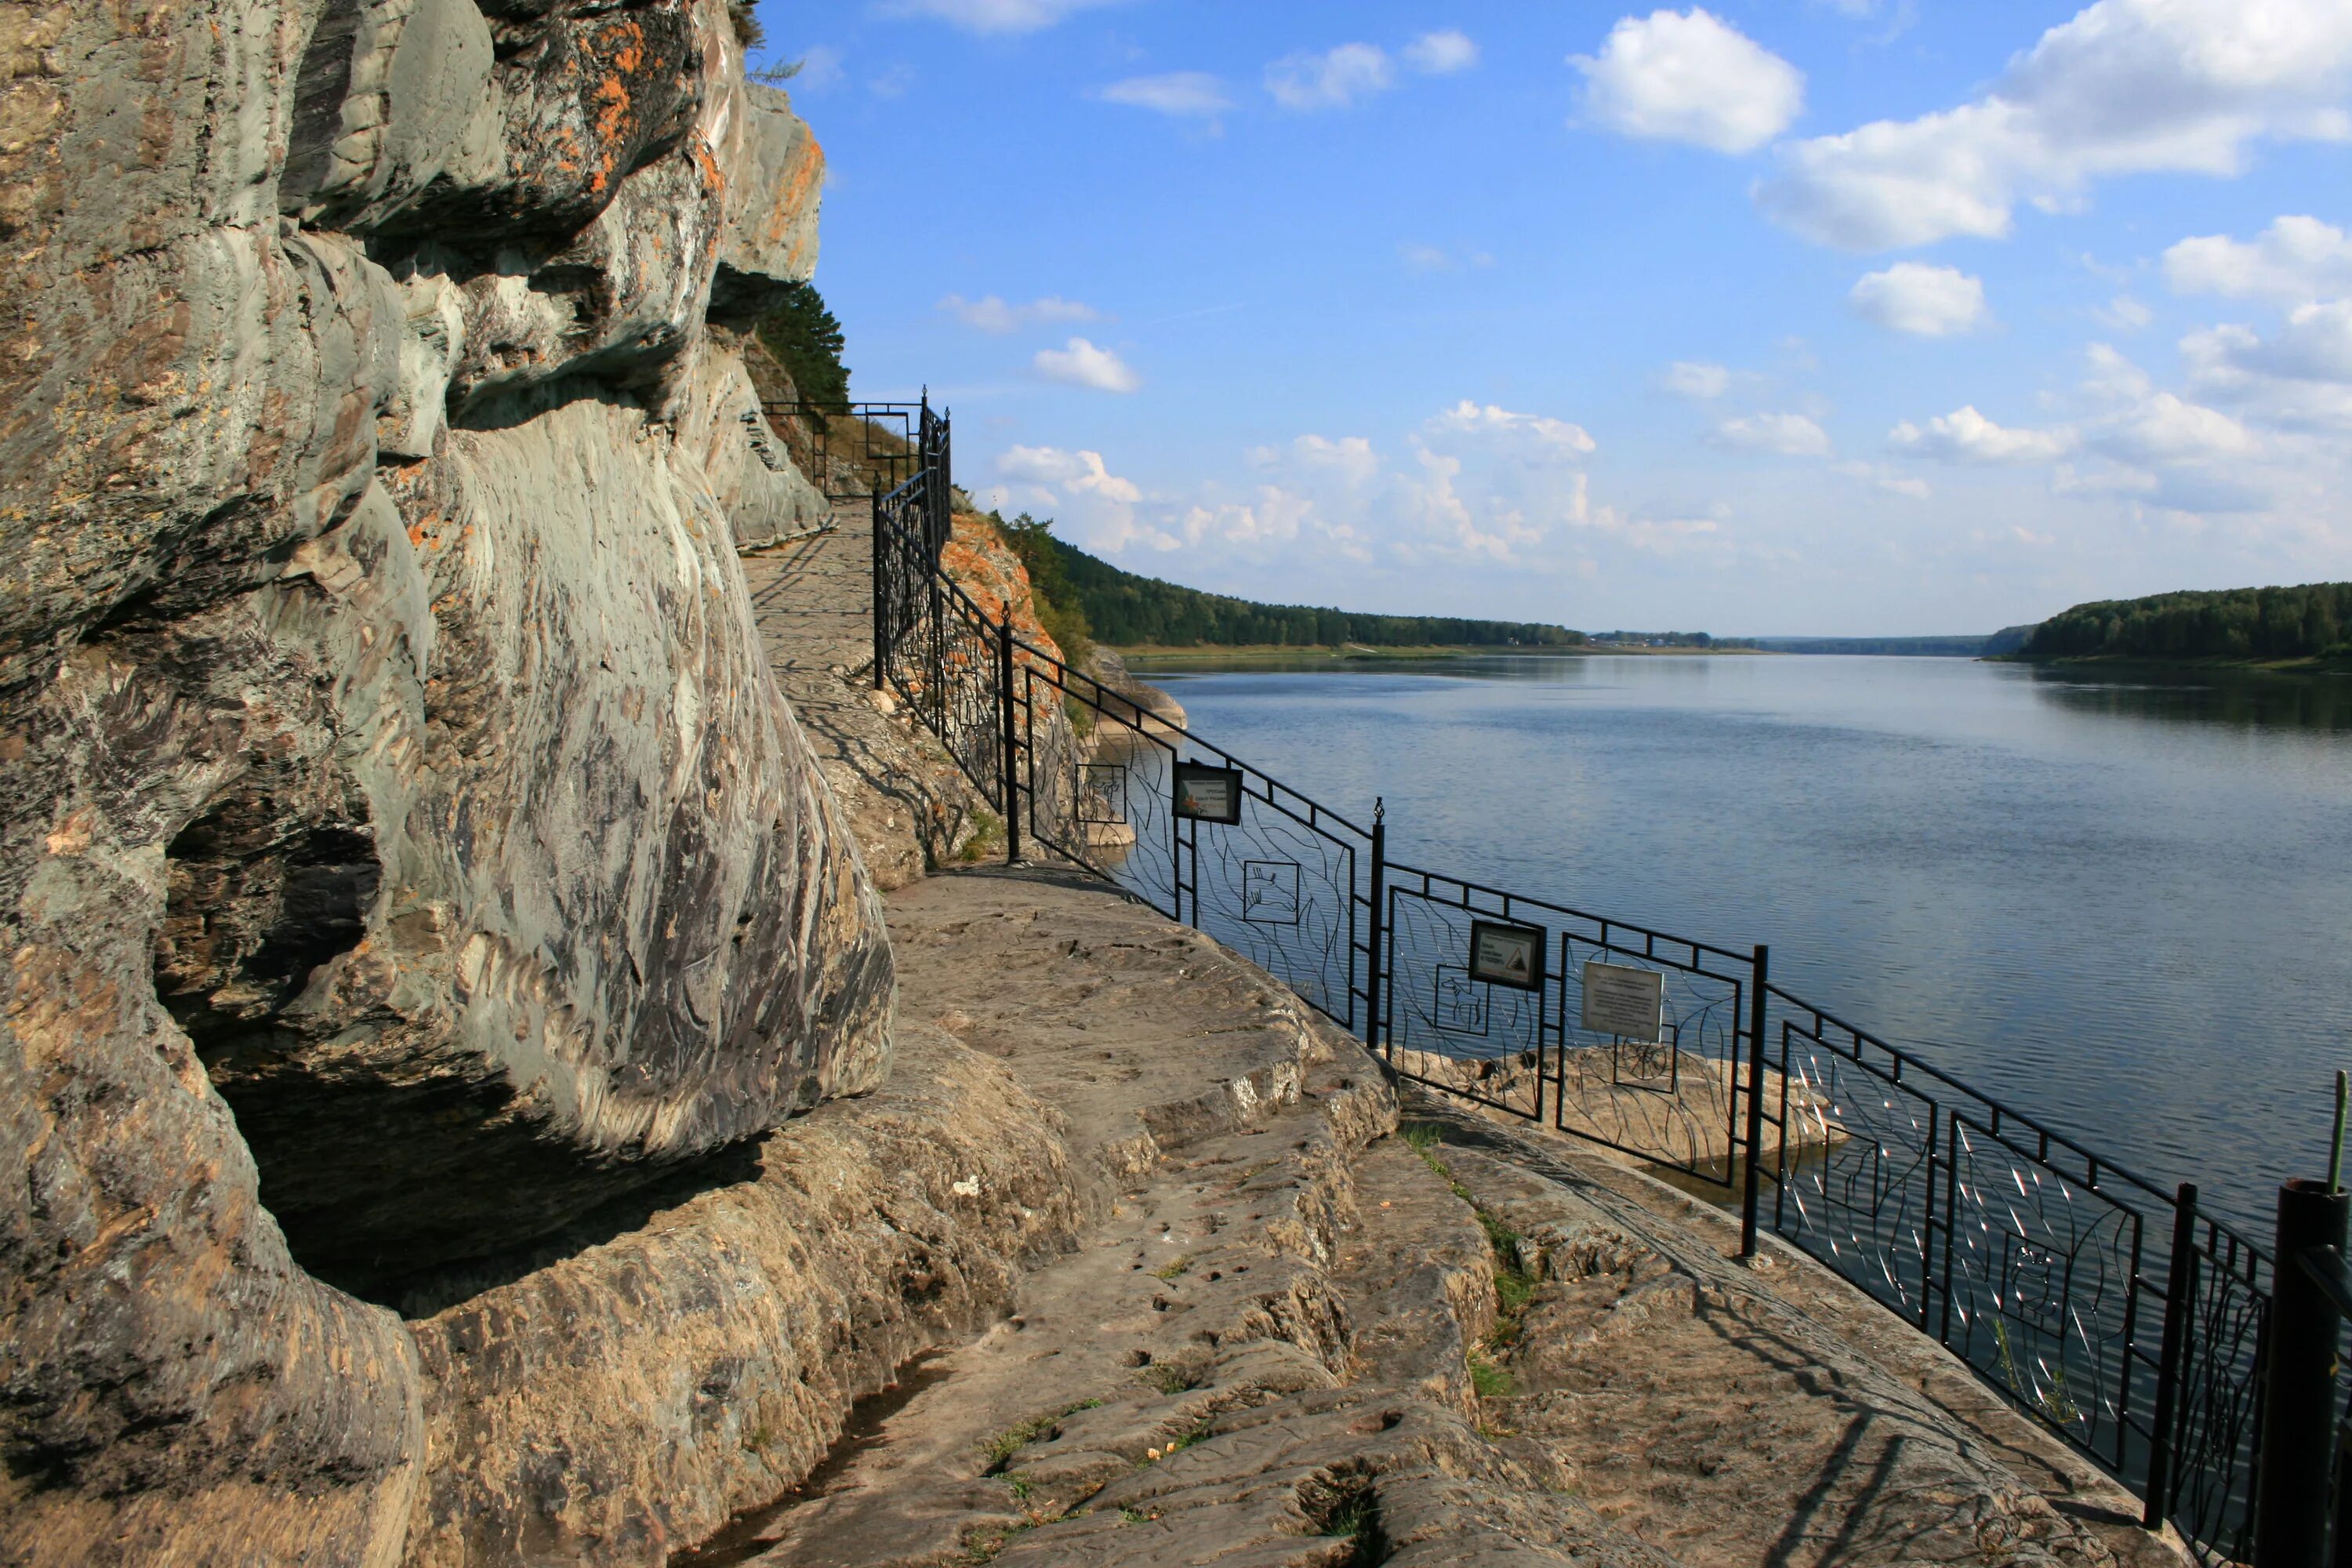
point(1509, 955)
point(1207, 792)
point(1624, 1001)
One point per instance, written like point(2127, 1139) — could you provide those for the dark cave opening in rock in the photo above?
point(401, 1171)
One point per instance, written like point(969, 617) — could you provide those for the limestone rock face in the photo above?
point(405, 849)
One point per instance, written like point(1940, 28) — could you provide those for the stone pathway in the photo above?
point(1289, 1338)
point(909, 806)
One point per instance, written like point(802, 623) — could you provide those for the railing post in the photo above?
point(881, 631)
point(1748, 1193)
point(2179, 1312)
point(2292, 1458)
point(1372, 926)
point(1012, 738)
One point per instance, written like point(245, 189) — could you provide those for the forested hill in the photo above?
point(1128, 611)
point(2310, 622)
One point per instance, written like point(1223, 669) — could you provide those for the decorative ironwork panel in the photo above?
point(2037, 1280)
point(2219, 1402)
point(1672, 1102)
point(1443, 1027)
point(2042, 1264)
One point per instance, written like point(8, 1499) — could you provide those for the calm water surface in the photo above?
point(2122, 904)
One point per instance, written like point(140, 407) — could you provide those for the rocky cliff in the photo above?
point(406, 856)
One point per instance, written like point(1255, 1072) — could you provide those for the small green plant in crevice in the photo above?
point(1168, 1378)
point(1343, 1507)
point(1022, 1487)
point(1487, 1380)
point(996, 1450)
point(2057, 1407)
point(1185, 1441)
point(987, 836)
point(1136, 1516)
point(985, 1542)
point(1351, 1519)
point(1514, 1288)
point(1173, 1267)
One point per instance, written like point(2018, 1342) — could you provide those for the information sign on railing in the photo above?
point(2108, 1309)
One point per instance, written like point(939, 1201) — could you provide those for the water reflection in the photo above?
point(2244, 699)
point(2120, 899)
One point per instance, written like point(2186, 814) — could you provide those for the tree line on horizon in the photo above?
point(1100, 601)
point(2312, 620)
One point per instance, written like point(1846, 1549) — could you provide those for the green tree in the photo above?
point(2308, 621)
point(1058, 610)
point(807, 341)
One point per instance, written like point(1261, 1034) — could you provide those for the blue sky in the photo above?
point(1820, 316)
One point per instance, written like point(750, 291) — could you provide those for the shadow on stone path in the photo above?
point(1286, 1337)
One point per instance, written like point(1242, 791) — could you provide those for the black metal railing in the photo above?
point(2112, 1311)
point(852, 450)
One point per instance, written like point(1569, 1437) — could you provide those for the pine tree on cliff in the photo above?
point(807, 341)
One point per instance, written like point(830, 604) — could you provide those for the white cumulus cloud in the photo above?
point(1789, 435)
point(1082, 473)
point(2166, 429)
point(1081, 363)
point(1193, 94)
point(2296, 259)
point(991, 314)
point(1333, 79)
point(1696, 378)
point(1965, 435)
point(1689, 76)
point(2124, 87)
point(1929, 302)
point(1441, 53)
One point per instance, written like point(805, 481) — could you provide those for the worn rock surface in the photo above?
point(911, 807)
point(406, 852)
point(707, 1356)
point(1294, 1341)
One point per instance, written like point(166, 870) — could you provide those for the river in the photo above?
point(2122, 904)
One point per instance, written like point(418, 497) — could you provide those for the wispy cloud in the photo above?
point(995, 16)
point(1335, 78)
point(1441, 53)
point(991, 313)
point(1789, 435)
point(1696, 378)
point(1429, 258)
point(1184, 94)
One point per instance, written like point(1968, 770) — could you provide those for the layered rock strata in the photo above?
point(406, 852)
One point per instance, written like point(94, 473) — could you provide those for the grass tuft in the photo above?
point(1173, 1268)
point(1168, 1378)
point(996, 1450)
point(1489, 1381)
